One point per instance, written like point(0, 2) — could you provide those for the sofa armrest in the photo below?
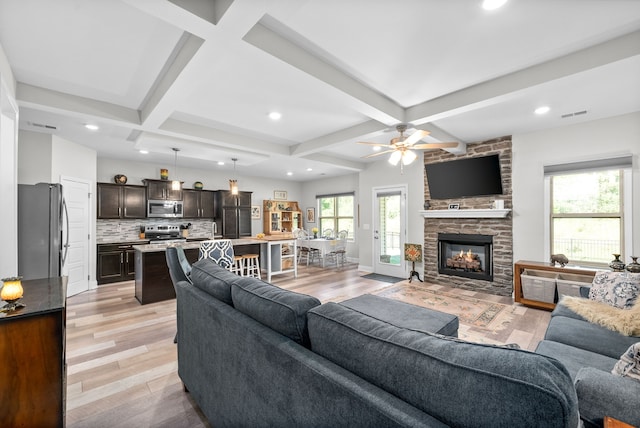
point(602, 394)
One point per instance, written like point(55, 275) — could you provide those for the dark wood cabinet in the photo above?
point(116, 262)
point(33, 370)
point(161, 190)
point(121, 201)
point(233, 214)
point(198, 203)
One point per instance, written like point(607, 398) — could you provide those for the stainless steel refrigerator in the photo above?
point(42, 248)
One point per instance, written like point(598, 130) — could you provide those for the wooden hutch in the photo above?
point(281, 217)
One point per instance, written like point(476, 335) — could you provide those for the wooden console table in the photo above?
point(521, 265)
point(32, 357)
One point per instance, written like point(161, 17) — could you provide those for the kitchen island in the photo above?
point(152, 279)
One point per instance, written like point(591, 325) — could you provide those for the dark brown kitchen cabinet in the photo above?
point(121, 201)
point(233, 214)
point(198, 203)
point(116, 262)
point(161, 190)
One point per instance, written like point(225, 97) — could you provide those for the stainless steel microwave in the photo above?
point(160, 208)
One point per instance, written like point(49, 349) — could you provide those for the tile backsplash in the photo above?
point(128, 230)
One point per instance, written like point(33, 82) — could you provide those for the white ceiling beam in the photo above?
point(493, 91)
point(267, 36)
point(337, 162)
point(322, 143)
point(58, 102)
point(222, 138)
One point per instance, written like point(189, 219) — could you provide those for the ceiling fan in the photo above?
point(401, 147)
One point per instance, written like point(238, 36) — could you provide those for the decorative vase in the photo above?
point(164, 174)
point(120, 179)
point(198, 185)
point(315, 236)
point(634, 266)
point(616, 264)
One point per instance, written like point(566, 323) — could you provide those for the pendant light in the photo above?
point(233, 183)
point(175, 184)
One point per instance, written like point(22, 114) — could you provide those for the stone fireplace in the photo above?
point(489, 267)
point(464, 255)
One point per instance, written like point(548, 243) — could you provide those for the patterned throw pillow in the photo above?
point(629, 363)
point(219, 250)
point(618, 289)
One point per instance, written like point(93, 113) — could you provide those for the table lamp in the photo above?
point(413, 254)
point(11, 292)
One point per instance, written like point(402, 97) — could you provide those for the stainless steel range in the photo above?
point(163, 233)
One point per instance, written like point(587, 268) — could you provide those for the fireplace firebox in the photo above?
point(466, 255)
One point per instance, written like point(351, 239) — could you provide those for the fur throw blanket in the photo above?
point(624, 321)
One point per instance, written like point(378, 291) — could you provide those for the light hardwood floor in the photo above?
point(121, 359)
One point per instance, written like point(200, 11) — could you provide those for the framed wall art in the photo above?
point(255, 212)
point(311, 215)
point(280, 195)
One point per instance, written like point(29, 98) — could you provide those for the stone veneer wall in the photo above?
point(500, 228)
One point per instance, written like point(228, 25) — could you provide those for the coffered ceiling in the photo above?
point(203, 76)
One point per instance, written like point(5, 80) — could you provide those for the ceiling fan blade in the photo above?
point(415, 137)
point(435, 146)
point(378, 154)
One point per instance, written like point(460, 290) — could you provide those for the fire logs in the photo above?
point(468, 261)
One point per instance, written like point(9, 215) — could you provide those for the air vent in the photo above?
point(577, 113)
point(41, 125)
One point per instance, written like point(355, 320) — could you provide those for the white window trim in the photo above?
point(627, 212)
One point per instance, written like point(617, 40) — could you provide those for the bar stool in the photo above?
point(252, 265)
point(238, 265)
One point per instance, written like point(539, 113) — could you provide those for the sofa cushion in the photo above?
point(462, 384)
point(588, 336)
point(208, 276)
point(574, 358)
point(404, 315)
point(282, 310)
point(629, 363)
point(618, 289)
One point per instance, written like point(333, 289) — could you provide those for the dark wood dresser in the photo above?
point(32, 357)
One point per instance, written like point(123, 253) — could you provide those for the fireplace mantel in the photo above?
point(466, 213)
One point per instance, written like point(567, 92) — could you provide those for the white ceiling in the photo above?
point(203, 75)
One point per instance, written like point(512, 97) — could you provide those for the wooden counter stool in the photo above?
point(251, 265)
point(238, 265)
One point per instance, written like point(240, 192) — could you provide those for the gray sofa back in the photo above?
point(462, 384)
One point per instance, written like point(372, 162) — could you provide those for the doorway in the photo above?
point(390, 230)
point(77, 197)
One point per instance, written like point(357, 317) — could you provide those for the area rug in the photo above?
point(383, 278)
point(473, 314)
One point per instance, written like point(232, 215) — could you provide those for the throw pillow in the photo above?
point(618, 289)
point(624, 321)
point(629, 364)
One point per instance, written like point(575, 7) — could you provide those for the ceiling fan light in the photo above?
point(408, 157)
point(395, 158)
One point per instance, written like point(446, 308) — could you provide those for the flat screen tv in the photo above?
point(479, 176)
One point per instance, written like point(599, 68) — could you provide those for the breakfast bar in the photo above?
point(152, 279)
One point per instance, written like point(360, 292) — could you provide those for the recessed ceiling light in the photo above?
point(91, 126)
point(144, 152)
point(376, 148)
point(274, 115)
point(220, 163)
point(289, 173)
point(493, 4)
point(309, 169)
point(542, 110)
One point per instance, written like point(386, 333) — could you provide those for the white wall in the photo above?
point(591, 140)
point(8, 168)
point(34, 161)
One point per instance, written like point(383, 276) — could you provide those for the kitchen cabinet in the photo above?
point(121, 201)
point(161, 190)
point(33, 369)
point(116, 262)
point(198, 203)
point(233, 214)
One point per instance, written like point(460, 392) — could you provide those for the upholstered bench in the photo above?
point(404, 315)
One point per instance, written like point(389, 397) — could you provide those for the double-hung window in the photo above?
point(337, 213)
point(587, 210)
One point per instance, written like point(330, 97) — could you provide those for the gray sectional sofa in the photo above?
point(589, 352)
point(252, 354)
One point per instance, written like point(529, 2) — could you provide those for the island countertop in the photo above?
point(152, 248)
